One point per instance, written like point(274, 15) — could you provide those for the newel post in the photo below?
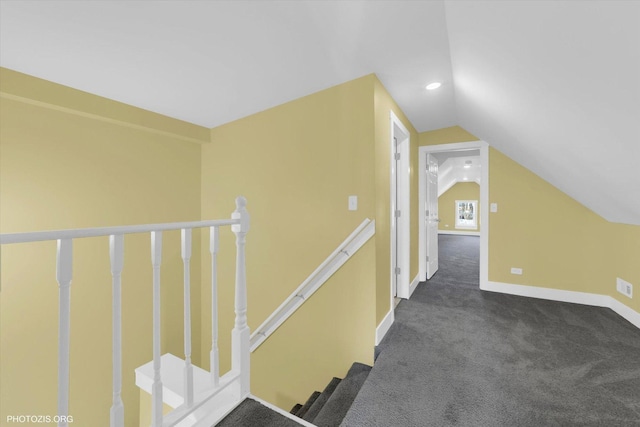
point(240, 347)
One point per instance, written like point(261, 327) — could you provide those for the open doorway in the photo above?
point(469, 217)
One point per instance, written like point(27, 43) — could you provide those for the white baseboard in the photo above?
point(281, 411)
point(584, 298)
point(414, 284)
point(384, 326)
point(460, 233)
point(625, 311)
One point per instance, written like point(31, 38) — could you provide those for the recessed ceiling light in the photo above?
point(467, 164)
point(434, 85)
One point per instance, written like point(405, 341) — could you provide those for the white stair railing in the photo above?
point(116, 252)
point(238, 378)
point(156, 261)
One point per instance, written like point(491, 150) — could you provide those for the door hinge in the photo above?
point(397, 156)
point(427, 257)
point(398, 271)
point(397, 213)
point(427, 212)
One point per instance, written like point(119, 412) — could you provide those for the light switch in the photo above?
point(353, 203)
point(494, 207)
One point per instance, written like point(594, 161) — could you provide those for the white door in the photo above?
point(394, 219)
point(400, 210)
point(431, 216)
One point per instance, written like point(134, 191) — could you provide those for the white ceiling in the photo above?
point(524, 76)
point(457, 166)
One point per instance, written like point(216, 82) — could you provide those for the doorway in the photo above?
point(400, 211)
point(427, 243)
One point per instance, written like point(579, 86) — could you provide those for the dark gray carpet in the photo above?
point(459, 356)
point(333, 412)
point(254, 414)
point(313, 411)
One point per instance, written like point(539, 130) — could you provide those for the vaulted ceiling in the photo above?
point(553, 84)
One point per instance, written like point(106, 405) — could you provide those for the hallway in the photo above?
point(460, 356)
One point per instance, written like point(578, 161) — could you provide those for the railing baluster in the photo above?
point(214, 244)
point(156, 390)
point(116, 253)
point(188, 368)
point(64, 270)
point(240, 345)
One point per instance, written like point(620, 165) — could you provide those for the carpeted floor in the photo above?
point(460, 356)
point(254, 414)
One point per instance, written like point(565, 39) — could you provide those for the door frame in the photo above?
point(484, 203)
point(400, 226)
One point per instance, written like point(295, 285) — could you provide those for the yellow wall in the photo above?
point(383, 105)
point(297, 164)
point(557, 242)
point(445, 136)
point(553, 238)
point(69, 160)
point(446, 204)
point(145, 409)
point(623, 253)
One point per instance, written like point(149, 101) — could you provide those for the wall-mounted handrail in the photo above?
point(239, 223)
point(315, 280)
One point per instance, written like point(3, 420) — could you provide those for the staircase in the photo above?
point(323, 409)
point(198, 398)
point(327, 409)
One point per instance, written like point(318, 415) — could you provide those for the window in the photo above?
point(467, 214)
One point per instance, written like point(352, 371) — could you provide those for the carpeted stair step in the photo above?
point(254, 414)
point(321, 400)
point(295, 409)
point(338, 404)
point(305, 408)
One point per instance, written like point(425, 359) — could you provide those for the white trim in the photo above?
point(404, 185)
point(384, 326)
point(585, 298)
point(414, 285)
point(547, 293)
point(625, 311)
point(172, 373)
point(281, 411)
point(484, 203)
point(460, 233)
point(315, 280)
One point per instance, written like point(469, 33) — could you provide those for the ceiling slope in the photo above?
point(552, 84)
point(211, 62)
point(555, 85)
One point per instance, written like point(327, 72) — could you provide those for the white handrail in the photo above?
point(79, 233)
point(315, 280)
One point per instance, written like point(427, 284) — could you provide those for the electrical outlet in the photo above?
point(624, 287)
point(515, 270)
point(353, 203)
